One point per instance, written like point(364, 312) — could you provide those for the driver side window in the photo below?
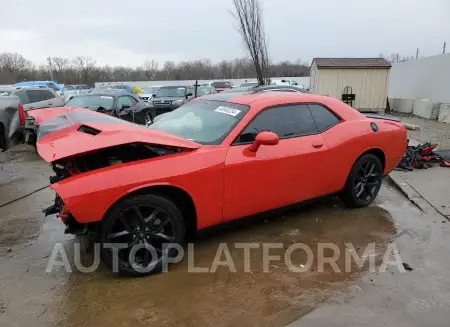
point(286, 121)
point(124, 101)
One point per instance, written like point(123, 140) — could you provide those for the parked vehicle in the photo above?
point(115, 87)
point(31, 98)
point(249, 84)
point(124, 106)
point(267, 88)
point(215, 159)
point(283, 82)
point(205, 90)
point(219, 86)
point(147, 93)
point(47, 84)
point(171, 97)
point(72, 90)
point(12, 120)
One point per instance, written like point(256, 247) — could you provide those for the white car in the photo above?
point(147, 92)
point(283, 82)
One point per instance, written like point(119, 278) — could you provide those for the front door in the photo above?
point(277, 175)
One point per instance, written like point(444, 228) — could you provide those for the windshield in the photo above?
point(221, 84)
point(171, 92)
point(202, 121)
point(150, 90)
point(69, 88)
point(92, 101)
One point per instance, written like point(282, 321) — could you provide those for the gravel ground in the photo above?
point(430, 130)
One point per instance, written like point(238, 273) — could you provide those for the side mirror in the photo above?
point(124, 106)
point(189, 94)
point(264, 138)
point(153, 95)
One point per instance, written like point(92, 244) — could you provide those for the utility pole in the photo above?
point(443, 50)
point(417, 53)
point(50, 67)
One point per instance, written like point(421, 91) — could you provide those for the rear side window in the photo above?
point(23, 98)
point(323, 117)
point(285, 121)
point(49, 95)
point(36, 96)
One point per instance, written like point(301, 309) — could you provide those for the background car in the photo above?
point(115, 87)
point(249, 84)
point(148, 92)
point(205, 90)
point(215, 159)
point(46, 84)
point(22, 100)
point(219, 85)
point(124, 106)
point(267, 88)
point(170, 97)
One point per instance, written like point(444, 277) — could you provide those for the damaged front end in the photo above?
point(82, 141)
point(84, 163)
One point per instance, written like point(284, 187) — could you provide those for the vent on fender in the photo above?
point(88, 130)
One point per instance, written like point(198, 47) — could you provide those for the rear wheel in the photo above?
point(363, 182)
point(135, 233)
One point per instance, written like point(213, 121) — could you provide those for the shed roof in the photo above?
point(352, 63)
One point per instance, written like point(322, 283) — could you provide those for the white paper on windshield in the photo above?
point(105, 97)
point(228, 111)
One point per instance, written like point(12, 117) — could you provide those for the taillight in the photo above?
point(21, 115)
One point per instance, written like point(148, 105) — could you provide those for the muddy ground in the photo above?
point(30, 296)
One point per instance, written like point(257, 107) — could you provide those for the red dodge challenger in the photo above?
point(218, 158)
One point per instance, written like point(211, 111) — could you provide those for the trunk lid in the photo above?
point(81, 131)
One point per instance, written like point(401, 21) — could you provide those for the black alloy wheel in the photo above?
point(137, 232)
point(364, 182)
point(366, 186)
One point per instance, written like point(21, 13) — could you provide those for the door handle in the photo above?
point(317, 145)
point(50, 103)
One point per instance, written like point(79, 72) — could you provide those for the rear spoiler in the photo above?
point(380, 116)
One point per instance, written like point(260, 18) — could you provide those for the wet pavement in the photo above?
point(29, 296)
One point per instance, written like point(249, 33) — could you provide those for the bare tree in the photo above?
point(248, 14)
point(150, 69)
point(85, 66)
point(169, 67)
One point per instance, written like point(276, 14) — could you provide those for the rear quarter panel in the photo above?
point(199, 173)
point(348, 140)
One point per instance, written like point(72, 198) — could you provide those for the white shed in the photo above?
point(361, 82)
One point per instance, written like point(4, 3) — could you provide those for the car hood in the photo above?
point(81, 130)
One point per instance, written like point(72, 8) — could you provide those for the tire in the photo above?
point(362, 186)
point(140, 232)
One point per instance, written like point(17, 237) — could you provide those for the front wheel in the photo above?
point(135, 234)
point(363, 182)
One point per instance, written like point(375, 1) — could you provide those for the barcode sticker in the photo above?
point(228, 111)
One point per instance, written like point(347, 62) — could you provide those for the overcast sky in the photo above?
point(121, 32)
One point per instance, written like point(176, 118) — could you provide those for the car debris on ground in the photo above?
point(423, 156)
